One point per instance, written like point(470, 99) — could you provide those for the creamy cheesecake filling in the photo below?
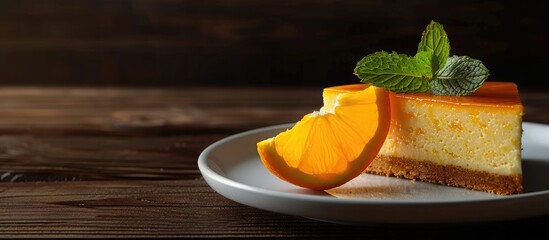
point(448, 134)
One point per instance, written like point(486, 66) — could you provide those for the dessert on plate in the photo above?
point(471, 142)
point(428, 117)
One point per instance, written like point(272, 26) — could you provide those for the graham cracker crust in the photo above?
point(446, 175)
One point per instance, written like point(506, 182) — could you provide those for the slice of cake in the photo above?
point(472, 142)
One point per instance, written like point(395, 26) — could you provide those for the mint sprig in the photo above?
point(394, 72)
point(459, 77)
point(434, 39)
point(430, 70)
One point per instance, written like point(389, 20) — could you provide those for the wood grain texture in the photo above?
point(84, 134)
point(242, 42)
point(89, 162)
point(188, 208)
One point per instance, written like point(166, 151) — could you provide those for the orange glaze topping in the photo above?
point(491, 94)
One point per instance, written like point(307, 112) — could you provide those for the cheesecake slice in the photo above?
point(472, 142)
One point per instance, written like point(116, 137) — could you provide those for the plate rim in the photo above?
point(205, 169)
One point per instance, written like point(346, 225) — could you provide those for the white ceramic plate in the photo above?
point(232, 168)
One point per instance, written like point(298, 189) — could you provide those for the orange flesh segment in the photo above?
point(330, 147)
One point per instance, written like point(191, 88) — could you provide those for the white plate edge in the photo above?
point(205, 169)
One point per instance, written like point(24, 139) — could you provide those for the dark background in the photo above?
point(254, 42)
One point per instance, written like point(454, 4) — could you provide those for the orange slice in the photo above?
point(331, 146)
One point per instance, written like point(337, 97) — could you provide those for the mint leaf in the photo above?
point(423, 59)
point(431, 69)
point(460, 76)
point(434, 39)
point(394, 72)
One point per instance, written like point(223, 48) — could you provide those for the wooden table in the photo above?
point(81, 162)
